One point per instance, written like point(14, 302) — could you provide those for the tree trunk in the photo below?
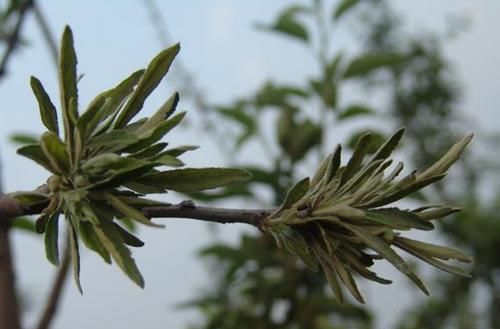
point(9, 311)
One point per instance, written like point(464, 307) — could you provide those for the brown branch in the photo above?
point(187, 209)
point(10, 208)
point(13, 38)
point(55, 292)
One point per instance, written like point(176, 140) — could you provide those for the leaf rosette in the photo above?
point(107, 162)
point(342, 220)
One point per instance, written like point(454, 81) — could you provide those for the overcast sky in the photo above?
point(228, 57)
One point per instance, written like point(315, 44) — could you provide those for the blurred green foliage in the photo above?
point(257, 286)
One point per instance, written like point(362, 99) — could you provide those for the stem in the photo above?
point(10, 208)
point(13, 38)
point(55, 292)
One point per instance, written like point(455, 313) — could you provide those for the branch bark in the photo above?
point(10, 208)
point(54, 297)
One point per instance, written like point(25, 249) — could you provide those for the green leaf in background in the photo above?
point(24, 224)
point(369, 63)
point(24, 138)
point(271, 94)
point(195, 179)
point(47, 109)
point(355, 111)
point(343, 8)
point(154, 73)
point(326, 90)
point(287, 23)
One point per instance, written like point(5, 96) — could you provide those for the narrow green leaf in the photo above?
point(154, 73)
point(434, 262)
point(48, 111)
point(128, 211)
point(24, 223)
point(51, 238)
point(113, 241)
point(24, 138)
point(344, 7)
point(34, 152)
point(89, 237)
point(433, 250)
point(195, 179)
point(75, 256)
point(68, 85)
point(179, 150)
point(443, 164)
point(295, 193)
point(106, 104)
point(150, 151)
point(368, 63)
point(347, 279)
point(382, 248)
point(436, 212)
point(288, 24)
point(29, 198)
point(398, 219)
point(128, 238)
point(161, 115)
point(354, 111)
point(356, 159)
point(152, 136)
point(386, 149)
point(55, 151)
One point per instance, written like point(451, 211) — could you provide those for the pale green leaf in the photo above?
point(48, 111)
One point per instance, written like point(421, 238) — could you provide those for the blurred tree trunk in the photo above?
point(9, 310)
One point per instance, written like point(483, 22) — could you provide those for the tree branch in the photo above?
point(10, 208)
point(55, 292)
point(13, 39)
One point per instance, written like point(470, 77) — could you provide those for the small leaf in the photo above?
point(113, 242)
point(34, 152)
point(195, 179)
point(295, 193)
point(128, 211)
point(47, 109)
point(154, 73)
point(399, 219)
point(355, 111)
point(386, 149)
point(179, 150)
point(443, 164)
point(75, 256)
point(89, 237)
point(23, 138)
point(433, 250)
point(287, 24)
point(107, 104)
point(128, 238)
point(29, 198)
point(357, 157)
point(68, 85)
point(381, 247)
point(368, 63)
point(51, 238)
point(55, 151)
point(161, 115)
point(344, 7)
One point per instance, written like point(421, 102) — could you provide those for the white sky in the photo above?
point(228, 58)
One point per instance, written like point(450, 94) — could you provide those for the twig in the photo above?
point(55, 292)
point(187, 209)
point(45, 29)
point(13, 39)
point(10, 208)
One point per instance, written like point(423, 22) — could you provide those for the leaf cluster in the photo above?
point(106, 162)
point(341, 220)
